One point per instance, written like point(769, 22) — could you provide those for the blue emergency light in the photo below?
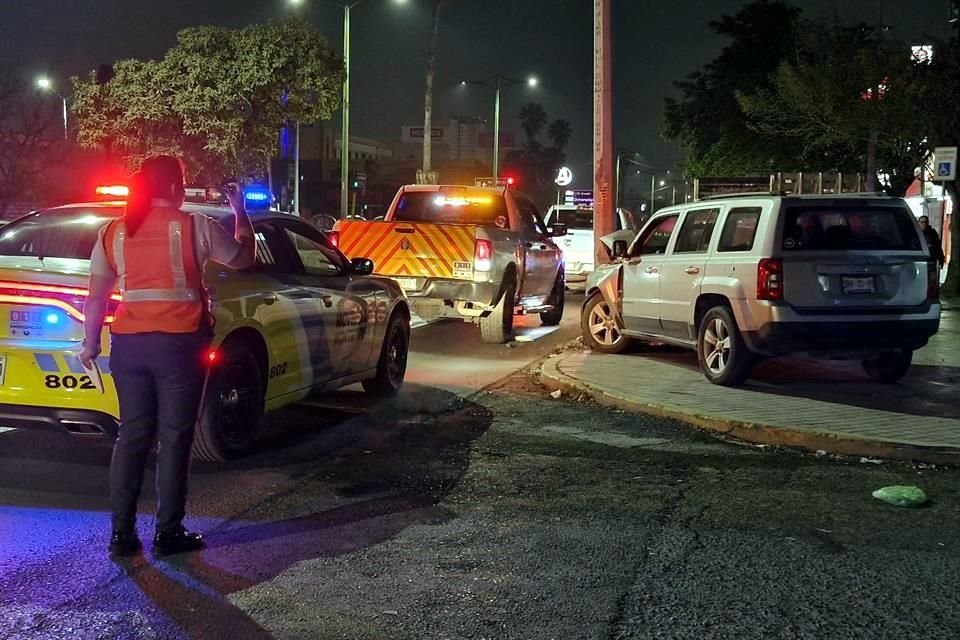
point(257, 197)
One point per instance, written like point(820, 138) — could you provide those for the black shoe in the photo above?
point(124, 544)
point(180, 541)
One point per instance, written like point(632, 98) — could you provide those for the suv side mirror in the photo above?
point(361, 266)
point(558, 230)
point(619, 248)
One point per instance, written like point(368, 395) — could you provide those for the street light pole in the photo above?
point(296, 168)
point(345, 125)
point(496, 132)
point(45, 84)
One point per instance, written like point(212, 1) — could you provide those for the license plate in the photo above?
point(858, 285)
point(3, 369)
point(407, 284)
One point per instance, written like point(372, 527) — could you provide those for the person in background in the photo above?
point(933, 240)
point(160, 334)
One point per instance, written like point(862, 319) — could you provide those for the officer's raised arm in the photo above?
point(244, 228)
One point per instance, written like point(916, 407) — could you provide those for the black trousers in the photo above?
point(159, 380)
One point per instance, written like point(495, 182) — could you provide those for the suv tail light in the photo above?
point(770, 279)
point(334, 238)
point(483, 255)
point(933, 281)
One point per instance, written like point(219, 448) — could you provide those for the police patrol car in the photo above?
point(304, 319)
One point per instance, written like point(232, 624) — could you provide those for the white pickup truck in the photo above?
point(577, 245)
point(482, 254)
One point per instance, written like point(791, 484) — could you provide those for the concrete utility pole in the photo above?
point(345, 124)
point(603, 151)
point(428, 96)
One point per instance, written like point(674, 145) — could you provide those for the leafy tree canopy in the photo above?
point(217, 99)
point(706, 120)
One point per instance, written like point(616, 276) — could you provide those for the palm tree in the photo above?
point(560, 132)
point(532, 119)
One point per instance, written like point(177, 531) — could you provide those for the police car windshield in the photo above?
point(452, 208)
point(66, 233)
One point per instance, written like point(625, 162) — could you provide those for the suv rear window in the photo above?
point(69, 233)
point(452, 208)
point(574, 218)
point(849, 228)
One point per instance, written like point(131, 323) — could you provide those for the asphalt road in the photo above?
point(476, 506)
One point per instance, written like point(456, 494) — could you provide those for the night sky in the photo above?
point(656, 42)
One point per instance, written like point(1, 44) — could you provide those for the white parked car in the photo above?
point(577, 245)
point(741, 278)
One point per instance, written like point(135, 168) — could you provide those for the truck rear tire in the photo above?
point(497, 327)
point(553, 317)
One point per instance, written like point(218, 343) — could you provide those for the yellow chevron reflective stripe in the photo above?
point(406, 249)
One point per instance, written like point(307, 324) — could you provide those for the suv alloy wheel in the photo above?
point(721, 352)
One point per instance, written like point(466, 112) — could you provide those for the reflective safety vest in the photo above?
point(161, 284)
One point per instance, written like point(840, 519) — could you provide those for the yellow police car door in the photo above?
point(343, 310)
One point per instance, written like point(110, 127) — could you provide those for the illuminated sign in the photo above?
point(564, 177)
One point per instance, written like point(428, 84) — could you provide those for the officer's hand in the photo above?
point(235, 196)
point(89, 354)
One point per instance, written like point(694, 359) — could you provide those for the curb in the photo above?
point(834, 443)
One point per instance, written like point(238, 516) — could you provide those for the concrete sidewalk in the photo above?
point(814, 405)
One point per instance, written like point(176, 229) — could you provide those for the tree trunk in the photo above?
point(872, 160)
point(428, 95)
point(951, 288)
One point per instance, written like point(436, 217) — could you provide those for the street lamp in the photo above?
point(345, 107)
point(496, 82)
point(46, 84)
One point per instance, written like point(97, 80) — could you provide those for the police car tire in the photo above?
point(553, 317)
point(497, 327)
point(386, 384)
point(210, 443)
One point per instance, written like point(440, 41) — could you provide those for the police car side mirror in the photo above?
point(558, 230)
point(361, 266)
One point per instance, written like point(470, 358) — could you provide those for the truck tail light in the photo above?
point(933, 281)
point(483, 255)
point(770, 279)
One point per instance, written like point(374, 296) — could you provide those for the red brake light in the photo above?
point(770, 279)
point(334, 238)
point(213, 356)
point(67, 299)
point(114, 190)
point(933, 281)
point(483, 255)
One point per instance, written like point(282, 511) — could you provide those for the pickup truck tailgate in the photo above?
point(419, 250)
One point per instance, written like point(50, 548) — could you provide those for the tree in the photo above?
point(532, 119)
point(216, 99)
point(707, 122)
point(559, 132)
point(848, 98)
point(30, 135)
point(535, 165)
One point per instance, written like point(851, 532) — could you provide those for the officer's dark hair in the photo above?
point(159, 177)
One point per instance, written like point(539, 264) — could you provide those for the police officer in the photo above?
point(160, 334)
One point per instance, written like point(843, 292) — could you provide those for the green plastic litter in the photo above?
point(901, 496)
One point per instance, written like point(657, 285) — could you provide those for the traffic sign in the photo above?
point(944, 164)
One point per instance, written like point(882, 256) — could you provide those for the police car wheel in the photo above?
point(232, 405)
point(392, 365)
